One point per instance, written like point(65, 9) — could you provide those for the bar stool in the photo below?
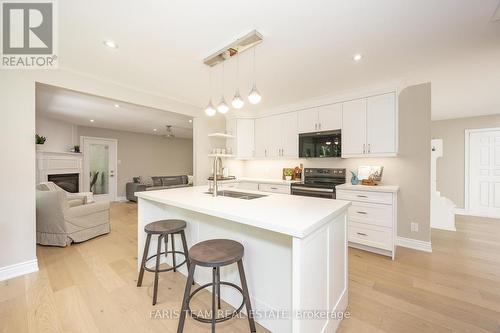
point(216, 253)
point(163, 229)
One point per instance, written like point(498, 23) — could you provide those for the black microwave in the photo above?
point(320, 144)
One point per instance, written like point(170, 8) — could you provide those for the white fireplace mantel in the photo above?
point(53, 163)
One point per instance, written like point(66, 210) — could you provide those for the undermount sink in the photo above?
point(238, 195)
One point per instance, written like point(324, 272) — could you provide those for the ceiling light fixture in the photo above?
point(210, 110)
point(117, 106)
point(91, 120)
point(190, 120)
point(237, 102)
point(111, 44)
point(254, 97)
point(357, 57)
point(223, 107)
point(154, 129)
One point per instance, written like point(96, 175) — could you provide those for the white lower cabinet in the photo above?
point(248, 186)
point(274, 188)
point(372, 217)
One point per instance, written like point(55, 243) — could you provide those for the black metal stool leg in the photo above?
point(185, 300)
point(173, 252)
point(218, 287)
point(143, 262)
point(244, 286)
point(186, 250)
point(214, 289)
point(166, 245)
point(157, 268)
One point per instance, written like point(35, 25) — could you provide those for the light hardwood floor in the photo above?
point(90, 287)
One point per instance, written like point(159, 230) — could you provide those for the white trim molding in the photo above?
point(414, 244)
point(121, 199)
point(462, 211)
point(12, 271)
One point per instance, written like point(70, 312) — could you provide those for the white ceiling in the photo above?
point(78, 108)
point(307, 49)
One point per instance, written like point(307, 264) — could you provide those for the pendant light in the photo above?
point(237, 102)
point(223, 107)
point(210, 110)
point(254, 96)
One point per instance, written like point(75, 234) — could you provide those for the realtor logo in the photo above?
point(28, 35)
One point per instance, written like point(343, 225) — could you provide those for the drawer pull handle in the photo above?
point(364, 213)
point(361, 234)
point(274, 188)
point(362, 196)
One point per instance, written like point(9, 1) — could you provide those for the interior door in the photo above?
point(354, 128)
point(289, 135)
point(381, 124)
point(99, 167)
point(484, 173)
point(307, 120)
point(330, 117)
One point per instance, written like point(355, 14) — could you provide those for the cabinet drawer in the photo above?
point(375, 214)
point(285, 189)
point(226, 186)
point(365, 196)
point(370, 235)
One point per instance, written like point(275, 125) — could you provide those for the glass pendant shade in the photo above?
point(222, 107)
point(254, 97)
point(210, 110)
point(237, 102)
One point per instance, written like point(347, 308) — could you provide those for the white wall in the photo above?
point(61, 136)
point(17, 130)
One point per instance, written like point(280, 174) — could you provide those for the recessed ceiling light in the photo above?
point(190, 120)
point(91, 120)
point(357, 57)
point(111, 44)
point(154, 129)
point(117, 105)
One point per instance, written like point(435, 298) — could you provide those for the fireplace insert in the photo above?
point(67, 181)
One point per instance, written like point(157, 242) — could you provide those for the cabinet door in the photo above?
point(289, 135)
point(354, 128)
point(245, 144)
point(307, 120)
point(231, 129)
point(274, 135)
point(330, 117)
point(381, 124)
point(261, 137)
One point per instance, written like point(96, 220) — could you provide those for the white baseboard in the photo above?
point(461, 211)
point(414, 244)
point(12, 271)
point(121, 199)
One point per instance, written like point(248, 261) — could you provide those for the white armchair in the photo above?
point(63, 218)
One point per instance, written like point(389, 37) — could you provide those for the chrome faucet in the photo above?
point(215, 185)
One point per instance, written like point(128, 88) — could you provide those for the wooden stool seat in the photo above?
point(216, 253)
point(165, 227)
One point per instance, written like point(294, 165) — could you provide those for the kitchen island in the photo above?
point(295, 251)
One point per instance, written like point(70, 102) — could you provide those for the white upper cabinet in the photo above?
point(289, 135)
point(381, 124)
point(330, 117)
point(321, 118)
point(369, 126)
point(307, 120)
point(354, 128)
point(243, 145)
point(277, 136)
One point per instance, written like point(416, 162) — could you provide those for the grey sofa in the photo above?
point(154, 184)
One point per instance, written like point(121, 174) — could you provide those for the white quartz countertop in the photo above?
point(274, 181)
point(296, 216)
point(377, 188)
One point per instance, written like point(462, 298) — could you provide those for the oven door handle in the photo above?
point(312, 189)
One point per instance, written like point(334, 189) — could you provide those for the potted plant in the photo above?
point(40, 141)
point(76, 148)
point(288, 174)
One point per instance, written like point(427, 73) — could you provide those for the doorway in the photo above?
point(482, 172)
point(99, 167)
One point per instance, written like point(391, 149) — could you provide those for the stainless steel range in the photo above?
point(319, 182)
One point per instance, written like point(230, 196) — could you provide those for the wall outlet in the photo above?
point(414, 227)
